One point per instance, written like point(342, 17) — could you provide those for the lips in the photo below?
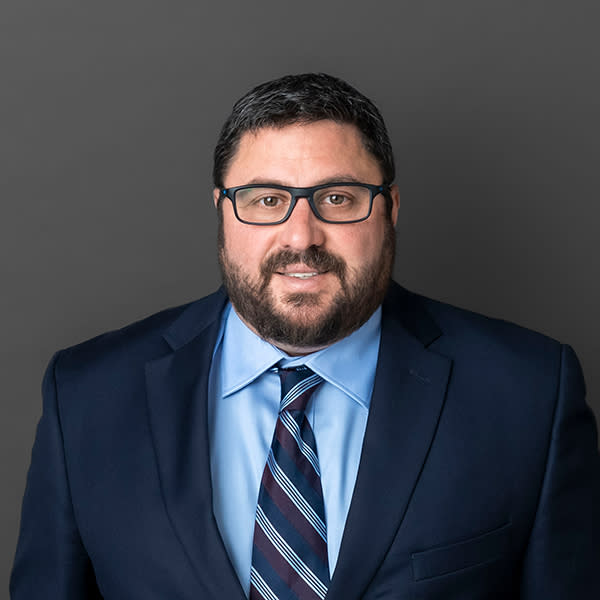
point(300, 275)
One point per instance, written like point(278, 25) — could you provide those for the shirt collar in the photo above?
point(348, 364)
point(245, 356)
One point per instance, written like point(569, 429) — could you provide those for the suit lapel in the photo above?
point(408, 396)
point(177, 386)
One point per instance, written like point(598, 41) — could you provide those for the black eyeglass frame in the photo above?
point(308, 193)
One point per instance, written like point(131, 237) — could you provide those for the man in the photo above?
point(312, 430)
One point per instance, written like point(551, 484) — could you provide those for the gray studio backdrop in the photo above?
point(109, 112)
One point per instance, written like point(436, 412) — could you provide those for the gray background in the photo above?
point(109, 113)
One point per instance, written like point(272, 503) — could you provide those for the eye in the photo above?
point(263, 200)
point(268, 201)
point(336, 199)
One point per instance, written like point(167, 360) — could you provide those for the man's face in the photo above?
point(305, 284)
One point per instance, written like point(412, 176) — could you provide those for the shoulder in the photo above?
point(502, 373)
point(149, 338)
point(475, 340)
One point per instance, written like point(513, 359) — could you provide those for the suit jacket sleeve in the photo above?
point(563, 555)
point(51, 561)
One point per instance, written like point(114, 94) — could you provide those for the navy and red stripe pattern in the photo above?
point(289, 557)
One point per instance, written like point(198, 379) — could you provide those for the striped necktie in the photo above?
point(289, 555)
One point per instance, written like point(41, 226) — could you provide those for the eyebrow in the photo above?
point(340, 178)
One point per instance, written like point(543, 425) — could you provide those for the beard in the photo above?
point(303, 321)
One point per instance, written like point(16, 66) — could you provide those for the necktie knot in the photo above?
point(297, 386)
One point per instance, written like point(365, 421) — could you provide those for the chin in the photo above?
point(290, 303)
point(305, 310)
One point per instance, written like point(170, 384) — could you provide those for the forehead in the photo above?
point(302, 155)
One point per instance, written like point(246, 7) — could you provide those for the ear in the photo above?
point(216, 196)
point(395, 194)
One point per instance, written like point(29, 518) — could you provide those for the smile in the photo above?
point(300, 275)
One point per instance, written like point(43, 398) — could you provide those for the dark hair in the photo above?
point(304, 98)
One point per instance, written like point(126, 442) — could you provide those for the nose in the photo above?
point(302, 229)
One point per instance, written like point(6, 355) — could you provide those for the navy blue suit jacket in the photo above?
point(479, 476)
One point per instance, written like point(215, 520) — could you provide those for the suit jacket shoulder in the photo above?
point(149, 338)
point(469, 337)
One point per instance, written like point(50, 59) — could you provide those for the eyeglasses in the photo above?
point(272, 204)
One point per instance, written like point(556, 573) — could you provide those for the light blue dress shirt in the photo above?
point(243, 410)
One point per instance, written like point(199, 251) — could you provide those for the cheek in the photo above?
point(360, 246)
point(244, 246)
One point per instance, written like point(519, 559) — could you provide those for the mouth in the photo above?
point(305, 275)
point(303, 270)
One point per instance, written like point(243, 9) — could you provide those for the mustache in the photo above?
point(314, 257)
